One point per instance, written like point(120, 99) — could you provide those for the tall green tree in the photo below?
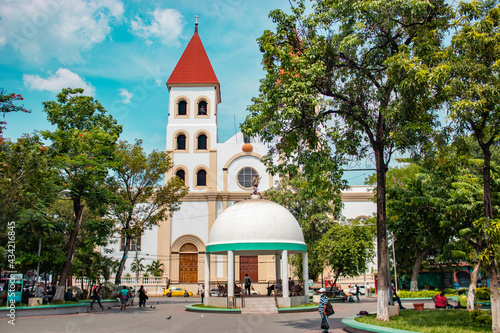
point(141, 203)
point(473, 94)
point(416, 208)
point(83, 150)
point(27, 188)
point(347, 247)
point(337, 84)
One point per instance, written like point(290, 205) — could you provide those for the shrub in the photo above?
point(482, 294)
point(481, 317)
point(417, 294)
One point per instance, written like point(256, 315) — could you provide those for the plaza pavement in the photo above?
point(155, 320)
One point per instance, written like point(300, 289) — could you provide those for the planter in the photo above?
point(418, 306)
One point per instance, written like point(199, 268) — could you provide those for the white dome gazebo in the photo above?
point(257, 227)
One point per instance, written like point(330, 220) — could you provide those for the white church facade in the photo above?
point(218, 174)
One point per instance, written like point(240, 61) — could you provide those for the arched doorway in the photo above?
point(188, 264)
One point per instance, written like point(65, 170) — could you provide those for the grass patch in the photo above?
point(203, 306)
point(435, 321)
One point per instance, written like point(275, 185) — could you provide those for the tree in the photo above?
point(313, 209)
point(7, 105)
point(141, 203)
point(138, 266)
point(348, 248)
point(416, 208)
point(340, 86)
point(83, 151)
point(27, 189)
point(472, 89)
point(155, 268)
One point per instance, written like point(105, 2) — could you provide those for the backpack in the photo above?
point(329, 309)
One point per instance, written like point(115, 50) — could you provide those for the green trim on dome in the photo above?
point(256, 246)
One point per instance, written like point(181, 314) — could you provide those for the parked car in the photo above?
point(214, 292)
point(362, 290)
point(177, 292)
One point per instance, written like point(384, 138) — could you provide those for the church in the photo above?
point(218, 174)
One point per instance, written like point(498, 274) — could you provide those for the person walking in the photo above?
point(322, 309)
point(142, 297)
point(248, 283)
point(96, 295)
point(357, 293)
point(368, 289)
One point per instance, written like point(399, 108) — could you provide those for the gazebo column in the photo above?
point(207, 274)
point(284, 283)
point(305, 276)
point(277, 269)
point(230, 273)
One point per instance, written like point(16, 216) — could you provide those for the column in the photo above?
point(207, 274)
point(305, 276)
point(284, 271)
point(277, 266)
point(230, 273)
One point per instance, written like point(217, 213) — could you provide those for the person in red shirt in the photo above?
point(440, 301)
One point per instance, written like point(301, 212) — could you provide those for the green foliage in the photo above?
point(348, 247)
point(7, 105)
point(313, 211)
point(483, 294)
point(140, 203)
point(155, 268)
point(345, 79)
point(430, 321)
point(418, 294)
point(82, 148)
point(481, 317)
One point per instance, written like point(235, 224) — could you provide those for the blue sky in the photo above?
point(122, 53)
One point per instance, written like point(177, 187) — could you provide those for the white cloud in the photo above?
point(41, 29)
point(127, 95)
point(163, 24)
point(63, 78)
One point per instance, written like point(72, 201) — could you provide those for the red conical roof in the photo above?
point(194, 65)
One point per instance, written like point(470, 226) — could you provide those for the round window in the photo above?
point(245, 177)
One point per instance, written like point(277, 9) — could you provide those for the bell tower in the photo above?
point(194, 95)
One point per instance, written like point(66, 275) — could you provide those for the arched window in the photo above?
point(202, 141)
point(181, 142)
point(182, 108)
point(201, 178)
point(181, 174)
point(202, 108)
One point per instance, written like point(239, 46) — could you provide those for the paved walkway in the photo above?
point(156, 319)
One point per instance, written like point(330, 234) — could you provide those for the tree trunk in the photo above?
point(472, 286)
point(118, 277)
point(78, 211)
point(382, 246)
point(416, 268)
point(488, 210)
point(495, 313)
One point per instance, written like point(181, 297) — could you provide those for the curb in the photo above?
point(353, 326)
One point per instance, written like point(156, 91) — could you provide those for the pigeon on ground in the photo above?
point(169, 317)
